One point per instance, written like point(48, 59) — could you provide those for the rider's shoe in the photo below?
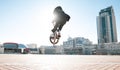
point(59, 34)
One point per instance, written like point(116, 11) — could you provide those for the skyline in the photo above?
point(29, 21)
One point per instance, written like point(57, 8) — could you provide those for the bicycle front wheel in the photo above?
point(54, 40)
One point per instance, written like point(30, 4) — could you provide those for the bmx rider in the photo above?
point(60, 19)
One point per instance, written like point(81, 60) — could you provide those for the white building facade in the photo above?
point(78, 45)
point(51, 49)
point(1, 49)
point(109, 49)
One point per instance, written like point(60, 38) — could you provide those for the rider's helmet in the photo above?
point(57, 9)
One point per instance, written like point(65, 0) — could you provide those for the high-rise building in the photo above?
point(106, 26)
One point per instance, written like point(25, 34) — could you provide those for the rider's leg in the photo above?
point(61, 26)
point(55, 27)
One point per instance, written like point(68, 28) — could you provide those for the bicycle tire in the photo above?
point(54, 40)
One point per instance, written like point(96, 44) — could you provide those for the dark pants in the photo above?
point(58, 25)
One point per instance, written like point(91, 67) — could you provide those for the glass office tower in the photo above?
point(106, 26)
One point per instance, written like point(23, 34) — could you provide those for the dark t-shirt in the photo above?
point(62, 16)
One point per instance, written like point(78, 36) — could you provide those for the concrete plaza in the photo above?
point(58, 62)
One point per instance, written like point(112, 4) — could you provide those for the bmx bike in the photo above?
point(55, 38)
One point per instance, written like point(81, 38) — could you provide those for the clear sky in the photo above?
point(29, 21)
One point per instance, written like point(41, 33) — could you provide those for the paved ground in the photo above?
point(58, 62)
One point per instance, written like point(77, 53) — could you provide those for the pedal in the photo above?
point(59, 35)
